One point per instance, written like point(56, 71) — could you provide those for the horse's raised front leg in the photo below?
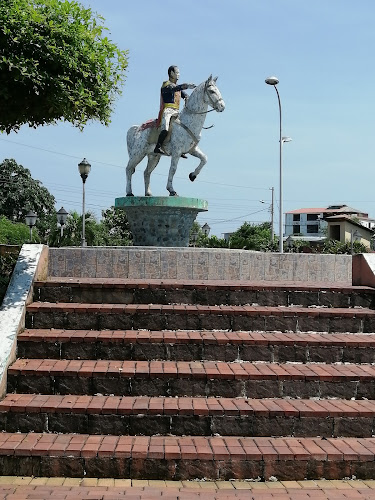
point(203, 160)
point(172, 171)
point(153, 160)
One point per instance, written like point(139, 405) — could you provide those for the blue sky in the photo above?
point(321, 51)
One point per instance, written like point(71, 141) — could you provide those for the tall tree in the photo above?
point(56, 64)
point(19, 193)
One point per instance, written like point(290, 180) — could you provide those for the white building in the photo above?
point(311, 221)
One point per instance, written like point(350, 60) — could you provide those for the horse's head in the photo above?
point(212, 94)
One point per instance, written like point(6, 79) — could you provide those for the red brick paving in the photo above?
point(12, 492)
point(204, 337)
point(267, 448)
point(198, 369)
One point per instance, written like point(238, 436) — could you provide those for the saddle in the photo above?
point(155, 130)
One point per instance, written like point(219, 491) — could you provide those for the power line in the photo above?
point(240, 217)
point(122, 167)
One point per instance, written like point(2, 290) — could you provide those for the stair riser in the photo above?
point(182, 469)
point(179, 425)
point(346, 388)
point(200, 296)
point(189, 352)
point(183, 321)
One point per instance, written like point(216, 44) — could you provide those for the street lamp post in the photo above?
point(272, 80)
point(30, 221)
point(272, 208)
point(84, 169)
point(62, 215)
point(206, 229)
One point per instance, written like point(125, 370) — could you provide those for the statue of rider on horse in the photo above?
point(175, 141)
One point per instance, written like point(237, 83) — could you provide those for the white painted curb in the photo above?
point(12, 311)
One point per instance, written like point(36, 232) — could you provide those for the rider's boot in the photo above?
point(163, 134)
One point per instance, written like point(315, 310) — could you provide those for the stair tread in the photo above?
point(246, 310)
point(201, 369)
point(185, 405)
point(198, 336)
point(188, 447)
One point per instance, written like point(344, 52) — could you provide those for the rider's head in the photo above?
point(173, 73)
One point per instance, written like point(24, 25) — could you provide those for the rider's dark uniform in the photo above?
point(170, 97)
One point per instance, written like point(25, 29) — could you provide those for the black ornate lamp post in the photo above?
point(84, 169)
point(62, 215)
point(206, 229)
point(31, 218)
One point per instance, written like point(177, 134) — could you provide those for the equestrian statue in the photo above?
point(173, 134)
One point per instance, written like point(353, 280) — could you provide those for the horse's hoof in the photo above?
point(192, 177)
point(148, 194)
point(173, 193)
point(129, 194)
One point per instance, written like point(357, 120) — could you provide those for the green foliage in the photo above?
point(115, 230)
point(7, 263)
point(112, 230)
point(19, 193)
point(247, 237)
point(213, 242)
point(15, 233)
point(334, 246)
point(298, 246)
point(253, 237)
point(56, 64)
point(72, 231)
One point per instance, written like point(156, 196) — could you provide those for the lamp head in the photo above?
point(286, 139)
point(206, 229)
point(272, 80)
point(62, 215)
point(31, 218)
point(84, 169)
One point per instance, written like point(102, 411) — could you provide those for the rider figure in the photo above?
point(170, 96)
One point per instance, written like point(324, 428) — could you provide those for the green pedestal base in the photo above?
point(161, 221)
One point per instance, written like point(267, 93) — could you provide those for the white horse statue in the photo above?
point(184, 137)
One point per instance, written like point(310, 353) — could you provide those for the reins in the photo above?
point(211, 103)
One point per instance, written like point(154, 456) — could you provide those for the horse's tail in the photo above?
point(130, 137)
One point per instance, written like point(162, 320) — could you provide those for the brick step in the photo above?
point(181, 458)
point(12, 488)
point(197, 317)
point(127, 291)
point(196, 345)
point(121, 415)
point(192, 378)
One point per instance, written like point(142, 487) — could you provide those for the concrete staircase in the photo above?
point(173, 379)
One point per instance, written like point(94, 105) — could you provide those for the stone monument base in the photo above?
point(161, 221)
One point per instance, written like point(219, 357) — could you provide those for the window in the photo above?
point(335, 232)
point(296, 229)
point(296, 217)
point(312, 216)
point(313, 228)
